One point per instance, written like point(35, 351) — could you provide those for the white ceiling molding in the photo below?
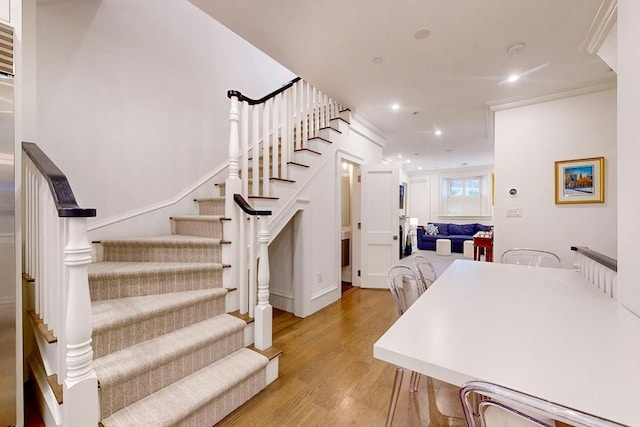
point(364, 128)
point(507, 104)
point(605, 18)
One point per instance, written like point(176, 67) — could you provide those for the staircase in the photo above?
point(165, 350)
point(143, 336)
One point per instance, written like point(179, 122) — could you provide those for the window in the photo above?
point(464, 196)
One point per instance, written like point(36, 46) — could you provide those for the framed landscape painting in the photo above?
point(580, 181)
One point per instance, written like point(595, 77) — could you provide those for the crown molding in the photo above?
point(517, 102)
point(605, 18)
point(361, 125)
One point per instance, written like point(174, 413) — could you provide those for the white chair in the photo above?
point(531, 257)
point(425, 269)
point(405, 287)
point(490, 405)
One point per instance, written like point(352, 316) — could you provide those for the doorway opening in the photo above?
point(349, 214)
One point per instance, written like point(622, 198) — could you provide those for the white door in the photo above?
point(379, 219)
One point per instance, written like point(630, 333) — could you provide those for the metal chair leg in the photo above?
point(397, 382)
point(413, 383)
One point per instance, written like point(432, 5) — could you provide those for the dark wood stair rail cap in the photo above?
point(58, 184)
point(241, 97)
point(597, 257)
point(246, 208)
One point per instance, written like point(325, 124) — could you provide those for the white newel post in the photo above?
point(81, 406)
point(263, 315)
point(233, 185)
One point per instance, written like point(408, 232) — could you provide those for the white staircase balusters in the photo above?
point(286, 127)
point(600, 275)
point(263, 330)
point(269, 132)
point(275, 140)
point(263, 190)
point(255, 152)
point(244, 149)
point(81, 383)
point(56, 255)
point(253, 273)
point(233, 184)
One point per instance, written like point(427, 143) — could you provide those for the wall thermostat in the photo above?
point(513, 191)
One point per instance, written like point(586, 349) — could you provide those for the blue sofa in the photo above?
point(457, 233)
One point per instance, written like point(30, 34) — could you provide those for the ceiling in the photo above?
point(441, 82)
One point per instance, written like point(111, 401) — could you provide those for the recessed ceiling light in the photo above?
point(377, 60)
point(399, 156)
point(438, 132)
point(408, 161)
point(421, 34)
point(395, 107)
point(513, 77)
point(419, 168)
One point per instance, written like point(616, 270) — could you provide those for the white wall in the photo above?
point(281, 263)
point(528, 140)
point(424, 195)
point(628, 68)
point(132, 99)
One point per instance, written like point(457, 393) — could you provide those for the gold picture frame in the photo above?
point(580, 181)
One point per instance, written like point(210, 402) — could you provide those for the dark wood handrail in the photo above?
point(597, 257)
point(241, 97)
point(58, 184)
point(246, 207)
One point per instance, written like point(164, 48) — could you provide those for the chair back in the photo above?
point(531, 257)
point(501, 406)
point(426, 271)
point(405, 286)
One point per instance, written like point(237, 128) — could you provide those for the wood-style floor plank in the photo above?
point(328, 376)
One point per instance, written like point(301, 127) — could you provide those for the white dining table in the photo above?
point(543, 331)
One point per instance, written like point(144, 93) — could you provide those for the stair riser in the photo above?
point(114, 397)
point(195, 253)
point(110, 340)
point(123, 286)
point(198, 228)
point(298, 174)
point(222, 406)
point(211, 207)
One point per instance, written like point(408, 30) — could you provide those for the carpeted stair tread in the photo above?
point(211, 206)
point(198, 393)
point(116, 312)
point(137, 371)
point(211, 199)
point(197, 217)
point(177, 240)
point(139, 358)
point(198, 225)
point(171, 248)
point(116, 268)
point(109, 280)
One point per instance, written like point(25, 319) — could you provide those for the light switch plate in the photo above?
point(514, 213)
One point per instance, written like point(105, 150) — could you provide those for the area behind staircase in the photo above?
point(166, 353)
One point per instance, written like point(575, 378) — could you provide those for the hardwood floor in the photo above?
point(328, 375)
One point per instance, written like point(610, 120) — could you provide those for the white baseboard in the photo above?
point(281, 300)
